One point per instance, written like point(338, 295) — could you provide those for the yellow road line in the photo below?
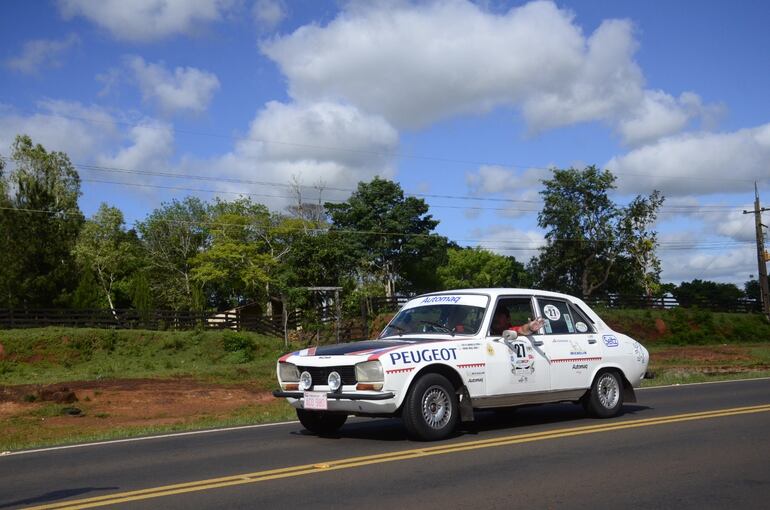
point(306, 469)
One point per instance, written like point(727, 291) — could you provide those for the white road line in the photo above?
point(145, 438)
point(246, 427)
point(702, 383)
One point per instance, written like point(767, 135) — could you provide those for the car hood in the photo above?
point(362, 348)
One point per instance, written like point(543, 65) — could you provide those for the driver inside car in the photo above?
point(501, 321)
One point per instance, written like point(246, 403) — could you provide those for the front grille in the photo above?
point(320, 375)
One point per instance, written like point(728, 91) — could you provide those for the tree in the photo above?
point(752, 290)
point(477, 267)
point(236, 265)
point(390, 235)
point(105, 249)
point(172, 235)
point(641, 241)
point(41, 220)
point(704, 292)
point(587, 233)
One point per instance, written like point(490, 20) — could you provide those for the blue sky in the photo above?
point(455, 100)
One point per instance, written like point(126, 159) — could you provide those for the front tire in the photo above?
point(321, 422)
point(431, 409)
point(605, 398)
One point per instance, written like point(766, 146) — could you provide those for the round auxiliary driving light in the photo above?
point(305, 381)
point(335, 381)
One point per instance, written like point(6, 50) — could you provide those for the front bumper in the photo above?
point(337, 396)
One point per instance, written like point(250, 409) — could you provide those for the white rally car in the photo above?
point(443, 355)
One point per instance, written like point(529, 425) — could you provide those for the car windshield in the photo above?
point(440, 319)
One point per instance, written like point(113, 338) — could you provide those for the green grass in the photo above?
point(53, 355)
point(670, 377)
point(24, 432)
point(59, 355)
point(686, 364)
point(687, 326)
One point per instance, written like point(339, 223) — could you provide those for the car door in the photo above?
point(517, 366)
point(569, 341)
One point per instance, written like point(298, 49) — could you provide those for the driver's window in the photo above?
point(510, 311)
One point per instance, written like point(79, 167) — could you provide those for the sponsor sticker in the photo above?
point(610, 340)
point(581, 327)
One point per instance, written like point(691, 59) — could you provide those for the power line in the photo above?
point(664, 208)
point(492, 243)
point(389, 154)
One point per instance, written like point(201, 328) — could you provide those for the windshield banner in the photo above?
point(449, 299)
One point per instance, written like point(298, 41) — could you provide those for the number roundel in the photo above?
point(551, 312)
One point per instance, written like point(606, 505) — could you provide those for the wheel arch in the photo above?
point(629, 395)
point(448, 371)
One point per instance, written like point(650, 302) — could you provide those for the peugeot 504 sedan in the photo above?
point(444, 355)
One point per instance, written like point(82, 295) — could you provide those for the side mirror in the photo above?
point(510, 335)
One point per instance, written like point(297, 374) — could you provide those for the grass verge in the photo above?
point(200, 380)
point(28, 431)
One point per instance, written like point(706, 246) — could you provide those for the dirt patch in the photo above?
point(717, 354)
point(128, 402)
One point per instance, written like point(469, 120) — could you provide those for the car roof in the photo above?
point(497, 291)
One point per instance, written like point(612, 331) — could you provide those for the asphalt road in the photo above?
point(699, 446)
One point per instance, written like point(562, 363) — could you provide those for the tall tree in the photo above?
point(172, 235)
point(477, 267)
point(41, 223)
point(106, 250)
point(587, 233)
point(641, 240)
point(388, 233)
point(236, 265)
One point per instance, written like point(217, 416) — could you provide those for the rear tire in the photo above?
point(431, 409)
point(605, 398)
point(321, 422)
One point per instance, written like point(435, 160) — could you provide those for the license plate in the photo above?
point(315, 400)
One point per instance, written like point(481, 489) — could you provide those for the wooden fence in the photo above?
point(140, 319)
point(742, 305)
point(326, 327)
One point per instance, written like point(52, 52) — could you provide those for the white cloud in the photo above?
point(268, 13)
point(492, 179)
point(519, 191)
point(416, 64)
point(330, 143)
point(732, 265)
point(186, 89)
point(41, 53)
point(506, 240)
point(90, 135)
point(71, 127)
point(152, 145)
point(697, 163)
point(146, 20)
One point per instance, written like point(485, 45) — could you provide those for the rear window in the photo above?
point(561, 318)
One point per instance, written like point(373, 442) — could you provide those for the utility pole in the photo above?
point(764, 292)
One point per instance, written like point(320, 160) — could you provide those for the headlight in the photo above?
point(335, 381)
point(369, 371)
point(305, 381)
point(287, 372)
